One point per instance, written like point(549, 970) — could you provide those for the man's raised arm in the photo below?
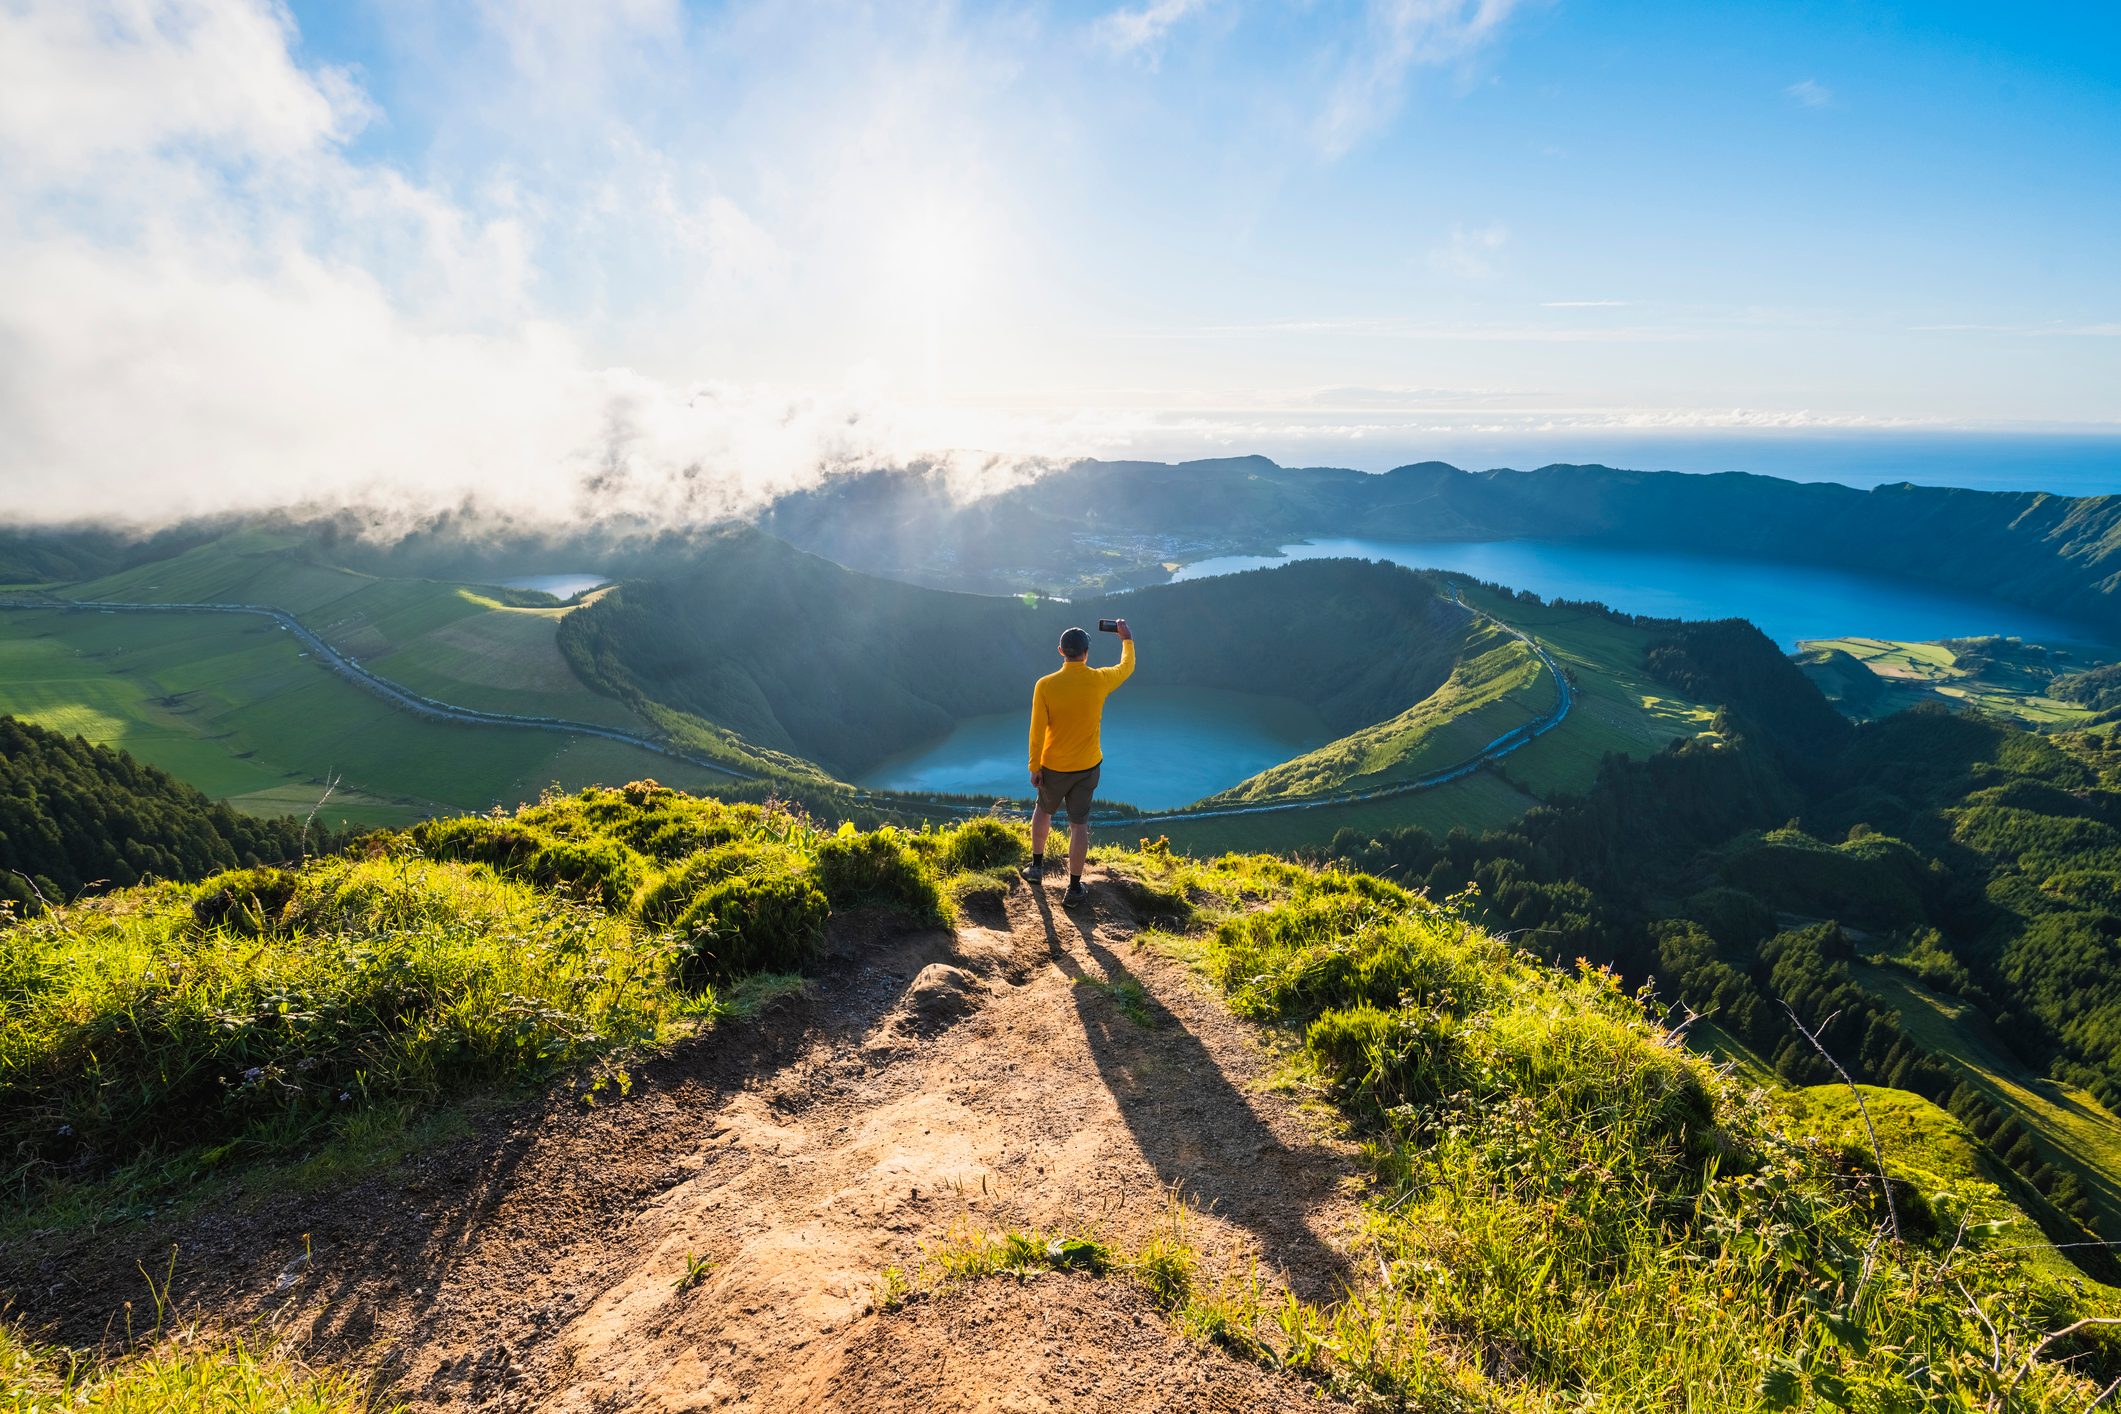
point(1124, 669)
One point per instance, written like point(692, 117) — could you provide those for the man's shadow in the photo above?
point(1196, 1129)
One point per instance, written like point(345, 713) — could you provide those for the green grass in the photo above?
point(447, 641)
point(182, 1372)
point(2069, 1127)
point(229, 704)
point(1571, 1209)
point(1931, 1151)
point(1484, 800)
point(158, 1039)
point(1619, 707)
point(1498, 685)
point(1875, 677)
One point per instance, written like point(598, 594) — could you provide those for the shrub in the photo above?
point(983, 844)
point(1340, 949)
point(248, 901)
point(878, 868)
point(1580, 1066)
point(762, 922)
point(1386, 1058)
point(129, 1027)
point(669, 894)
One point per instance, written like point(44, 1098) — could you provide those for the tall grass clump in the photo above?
point(180, 1374)
point(131, 1023)
point(1575, 1211)
point(880, 867)
point(267, 1005)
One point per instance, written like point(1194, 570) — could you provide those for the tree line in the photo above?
point(76, 816)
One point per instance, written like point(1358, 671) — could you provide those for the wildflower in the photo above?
point(66, 1131)
point(254, 1075)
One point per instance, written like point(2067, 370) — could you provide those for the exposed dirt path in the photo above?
point(987, 1078)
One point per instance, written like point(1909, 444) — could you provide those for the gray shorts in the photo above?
point(1071, 789)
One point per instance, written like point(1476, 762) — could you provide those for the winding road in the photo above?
point(408, 700)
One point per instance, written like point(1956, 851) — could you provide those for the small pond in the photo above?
point(559, 586)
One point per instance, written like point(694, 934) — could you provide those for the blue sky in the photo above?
point(760, 239)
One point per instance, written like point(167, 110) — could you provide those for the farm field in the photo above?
point(455, 643)
point(229, 704)
point(1875, 677)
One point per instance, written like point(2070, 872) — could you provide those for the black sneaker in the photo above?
point(1035, 871)
point(1076, 896)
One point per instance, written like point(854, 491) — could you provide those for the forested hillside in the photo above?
point(796, 654)
point(1843, 873)
point(73, 815)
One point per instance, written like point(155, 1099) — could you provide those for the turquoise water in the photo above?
point(1164, 747)
point(1789, 602)
point(559, 586)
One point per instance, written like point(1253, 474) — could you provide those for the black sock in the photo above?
point(1076, 880)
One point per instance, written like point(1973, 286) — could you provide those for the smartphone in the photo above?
point(1108, 625)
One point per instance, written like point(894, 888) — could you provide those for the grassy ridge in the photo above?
point(264, 1007)
point(1571, 1208)
point(1497, 685)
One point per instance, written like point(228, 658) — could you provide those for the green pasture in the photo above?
point(1620, 709)
point(231, 705)
point(2008, 678)
point(441, 640)
point(1482, 801)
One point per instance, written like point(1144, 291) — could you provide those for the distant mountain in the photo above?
point(1114, 523)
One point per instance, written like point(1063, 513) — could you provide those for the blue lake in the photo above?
point(1789, 602)
point(559, 586)
point(1164, 747)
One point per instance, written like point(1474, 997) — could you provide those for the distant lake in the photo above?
point(559, 586)
point(1787, 601)
point(1164, 747)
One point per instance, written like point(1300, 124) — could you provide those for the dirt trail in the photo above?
point(993, 1078)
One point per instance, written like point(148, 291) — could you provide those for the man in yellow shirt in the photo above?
point(1067, 708)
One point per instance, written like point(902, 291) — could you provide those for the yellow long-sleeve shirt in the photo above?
point(1066, 710)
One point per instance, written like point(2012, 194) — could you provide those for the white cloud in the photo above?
point(1810, 93)
point(1469, 253)
point(82, 81)
point(1583, 304)
point(206, 302)
point(1141, 30)
point(1398, 37)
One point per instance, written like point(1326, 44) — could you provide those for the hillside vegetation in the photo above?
point(74, 816)
point(1565, 1205)
point(1799, 862)
point(797, 655)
